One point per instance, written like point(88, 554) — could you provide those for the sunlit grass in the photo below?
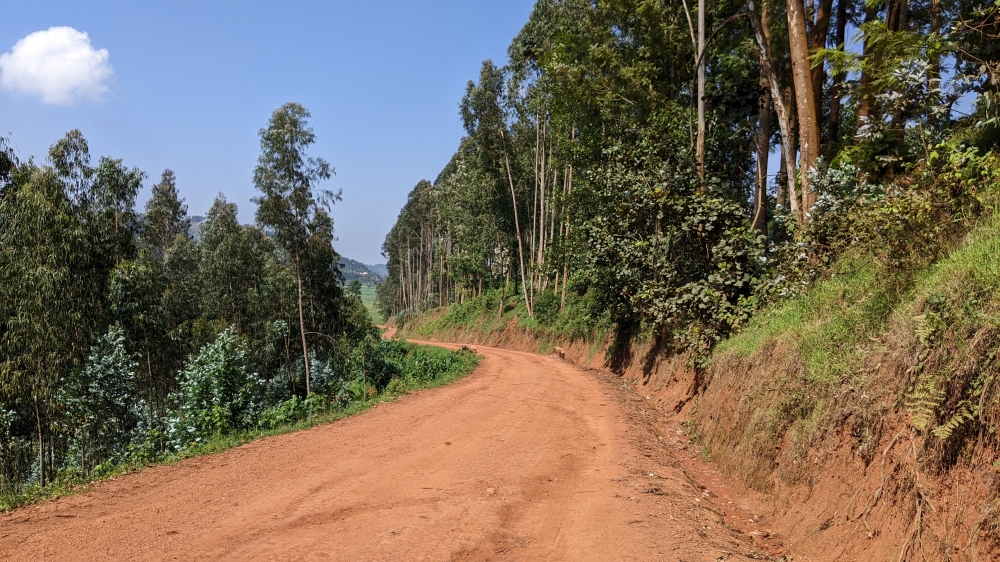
point(832, 324)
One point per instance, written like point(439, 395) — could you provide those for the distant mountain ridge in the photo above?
point(367, 274)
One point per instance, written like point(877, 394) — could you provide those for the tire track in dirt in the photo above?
point(528, 458)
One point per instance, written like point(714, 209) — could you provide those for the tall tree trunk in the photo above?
point(805, 99)
point(763, 149)
point(302, 321)
point(833, 130)
point(517, 226)
point(864, 93)
point(700, 147)
point(288, 356)
point(149, 367)
point(503, 295)
point(782, 180)
point(552, 217)
point(41, 442)
point(567, 188)
point(539, 154)
point(781, 106)
point(541, 216)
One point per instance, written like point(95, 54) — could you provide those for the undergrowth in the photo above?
point(423, 367)
point(480, 315)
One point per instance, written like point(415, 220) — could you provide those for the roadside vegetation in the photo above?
point(846, 303)
point(410, 368)
point(125, 341)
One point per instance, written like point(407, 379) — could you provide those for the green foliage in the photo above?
point(667, 252)
point(165, 218)
point(292, 411)
point(216, 394)
point(100, 409)
point(299, 217)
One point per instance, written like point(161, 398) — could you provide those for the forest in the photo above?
point(126, 341)
point(614, 174)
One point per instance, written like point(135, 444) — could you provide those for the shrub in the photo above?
point(217, 395)
point(101, 411)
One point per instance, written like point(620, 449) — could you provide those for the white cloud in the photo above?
point(57, 65)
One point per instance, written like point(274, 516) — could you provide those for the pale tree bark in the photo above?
point(539, 154)
point(542, 210)
point(41, 443)
point(763, 148)
point(864, 96)
point(781, 109)
point(552, 219)
point(820, 32)
point(302, 321)
point(567, 187)
point(517, 226)
point(805, 99)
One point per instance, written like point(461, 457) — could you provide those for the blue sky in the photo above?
point(194, 81)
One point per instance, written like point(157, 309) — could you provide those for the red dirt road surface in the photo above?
point(528, 458)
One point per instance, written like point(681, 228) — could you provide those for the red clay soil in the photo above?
point(528, 458)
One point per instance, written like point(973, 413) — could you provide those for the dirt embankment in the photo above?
point(839, 473)
point(528, 458)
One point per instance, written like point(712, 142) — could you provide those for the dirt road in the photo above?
point(529, 458)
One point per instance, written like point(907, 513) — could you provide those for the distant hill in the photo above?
point(368, 275)
point(380, 268)
point(195, 229)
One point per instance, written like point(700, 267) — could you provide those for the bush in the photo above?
point(217, 395)
point(101, 414)
point(292, 411)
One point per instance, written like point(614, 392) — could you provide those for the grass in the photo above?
point(826, 325)
point(861, 327)
point(834, 323)
point(552, 324)
point(368, 299)
point(459, 365)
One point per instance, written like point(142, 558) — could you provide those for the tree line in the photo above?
point(123, 338)
point(622, 154)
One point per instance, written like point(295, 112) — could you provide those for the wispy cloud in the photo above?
point(57, 65)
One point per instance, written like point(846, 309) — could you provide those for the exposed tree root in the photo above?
point(877, 493)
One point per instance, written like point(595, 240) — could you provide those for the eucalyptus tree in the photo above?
point(112, 196)
point(41, 340)
point(231, 268)
point(165, 217)
point(485, 115)
point(135, 292)
point(286, 177)
point(8, 161)
point(181, 300)
point(70, 157)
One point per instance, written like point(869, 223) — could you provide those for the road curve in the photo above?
point(528, 458)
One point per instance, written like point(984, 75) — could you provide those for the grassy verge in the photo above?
point(862, 355)
point(553, 324)
point(424, 367)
